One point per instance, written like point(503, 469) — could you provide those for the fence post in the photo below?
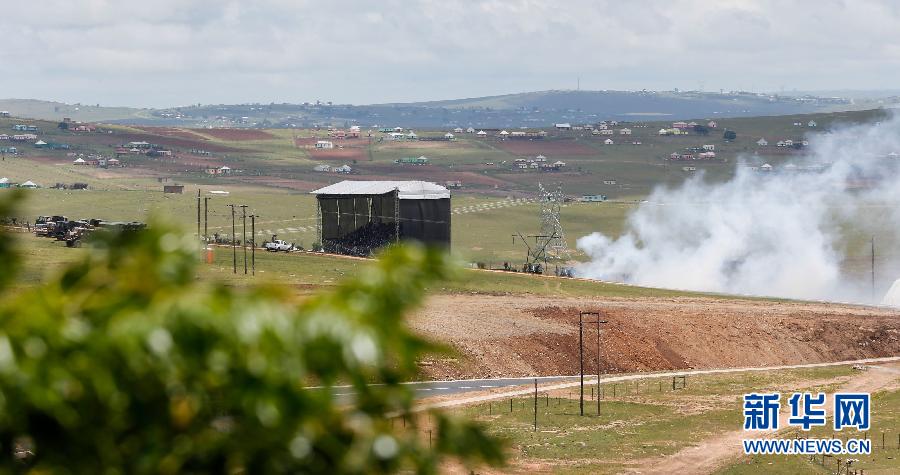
point(510, 405)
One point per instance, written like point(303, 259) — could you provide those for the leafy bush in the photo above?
point(127, 363)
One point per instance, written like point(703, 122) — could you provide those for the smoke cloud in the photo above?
point(791, 232)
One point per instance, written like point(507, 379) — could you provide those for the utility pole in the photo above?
point(244, 235)
point(206, 218)
point(198, 213)
point(253, 237)
point(233, 243)
point(581, 316)
point(873, 269)
point(535, 410)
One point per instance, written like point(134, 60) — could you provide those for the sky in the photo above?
point(164, 53)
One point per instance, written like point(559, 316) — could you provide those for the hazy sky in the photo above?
point(176, 52)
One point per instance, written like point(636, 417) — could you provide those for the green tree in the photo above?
point(126, 362)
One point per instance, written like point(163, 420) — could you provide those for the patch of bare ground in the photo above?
point(525, 336)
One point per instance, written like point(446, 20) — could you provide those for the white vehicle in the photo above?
point(278, 245)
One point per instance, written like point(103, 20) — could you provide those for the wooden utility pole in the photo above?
point(233, 243)
point(198, 213)
point(581, 316)
point(253, 242)
point(873, 269)
point(535, 409)
point(244, 235)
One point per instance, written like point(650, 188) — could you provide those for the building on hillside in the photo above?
point(324, 145)
point(765, 167)
point(762, 142)
point(709, 147)
point(679, 125)
point(625, 131)
point(4, 113)
point(811, 124)
point(358, 217)
point(712, 124)
point(412, 160)
point(345, 169)
point(449, 136)
point(689, 169)
point(174, 189)
point(663, 132)
point(608, 142)
point(79, 161)
point(322, 168)
point(563, 126)
point(470, 130)
point(458, 130)
point(30, 185)
point(481, 133)
point(593, 198)
point(411, 136)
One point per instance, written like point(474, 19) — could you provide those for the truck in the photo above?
point(276, 245)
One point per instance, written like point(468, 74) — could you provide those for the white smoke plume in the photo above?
point(785, 233)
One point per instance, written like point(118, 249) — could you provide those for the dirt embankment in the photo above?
point(525, 336)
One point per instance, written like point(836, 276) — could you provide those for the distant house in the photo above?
point(225, 170)
point(40, 144)
point(606, 132)
point(470, 130)
point(113, 162)
point(449, 136)
point(558, 164)
point(709, 147)
point(663, 132)
point(138, 145)
point(608, 142)
point(712, 124)
point(324, 144)
point(398, 129)
point(593, 198)
point(625, 131)
point(689, 169)
point(609, 182)
point(765, 167)
point(322, 168)
point(412, 136)
point(412, 161)
point(504, 133)
point(453, 184)
point(29, 185)
point(4, 183)
point(679, 125)
point(458, 130)
point(481, 133)
point(540, 159)
point(79, 161)
point(4, 137)
point(762, 142)
point(692, 124)
point(4, 113)
point(563, 126)
point(811, 123)
point(173, 189)
point(393, 136)
point(343, 169)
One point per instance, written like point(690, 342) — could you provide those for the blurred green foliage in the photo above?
point(127, 363)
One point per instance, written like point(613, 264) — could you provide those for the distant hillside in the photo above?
point(530, 109)
point(647, 104)
point(54, 111)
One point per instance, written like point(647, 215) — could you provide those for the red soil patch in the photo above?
point(549, 147)
point(311, 141)
point(343, 154)
point(237, 135)
point(172, 132)
point(176, 142)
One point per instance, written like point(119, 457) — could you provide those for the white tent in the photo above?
point(4, 180)
point(79, 161)
point(29, 184)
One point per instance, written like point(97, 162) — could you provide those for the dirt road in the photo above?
point(520, 336)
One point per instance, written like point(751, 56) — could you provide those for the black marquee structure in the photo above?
point(357, 217)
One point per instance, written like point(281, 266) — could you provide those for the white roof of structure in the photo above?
point(29, 183)
point(79, 160)
point(4, 180)
point(409, 190)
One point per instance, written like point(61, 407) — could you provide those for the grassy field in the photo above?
point(645, 419)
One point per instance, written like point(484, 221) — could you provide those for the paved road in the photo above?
point(632, 377)
point(426, 389)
